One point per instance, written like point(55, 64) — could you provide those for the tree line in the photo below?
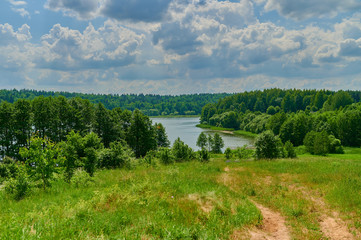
point(291, 115)
point(149, 104)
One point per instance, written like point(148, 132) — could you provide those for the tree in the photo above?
point(217, 143)
point(22, 123)
point(6, 129)
point(202, 140)
point(228, 153)
point(267, 145)
point(104, 125)
point(119, 155)
point(41, 159)
point(181, 151)
point(162, 138)
point(141, 135)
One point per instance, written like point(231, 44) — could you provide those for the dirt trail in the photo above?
point(273, 227)
point(332, 226)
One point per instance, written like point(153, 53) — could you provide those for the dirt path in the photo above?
point(332, 226)
point(273, 226)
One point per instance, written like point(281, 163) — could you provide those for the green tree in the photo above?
point(105, 126)
point(141, 135)
point(228, 153)
point(6, 129)
point(202, 140)
point(267, 145)
point(162, 138)
point(181, 151)
point(217, 143)
point(41, 159)
point(22, 123)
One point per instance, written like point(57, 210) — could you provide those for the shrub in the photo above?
point(181, 151)
point(117, 156)
point(165, 156)
point(81, 178)
point(244, 152)
point(335, 145)
point(228, 153)
point(217, 143)
point(20, 186)
point(289, 150)
point(203, 155)
point(267, 145)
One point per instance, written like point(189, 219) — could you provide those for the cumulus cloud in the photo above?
point(8, 36)
point(106, 47)
point(300, 10)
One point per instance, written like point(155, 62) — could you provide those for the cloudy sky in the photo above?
point(179, 46)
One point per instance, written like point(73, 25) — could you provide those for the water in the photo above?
point(186, 129)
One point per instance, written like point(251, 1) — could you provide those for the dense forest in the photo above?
point(291, 114)
point(151, 105)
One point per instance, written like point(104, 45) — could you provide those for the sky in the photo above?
point(179, 46)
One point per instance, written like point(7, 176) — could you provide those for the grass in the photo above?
point(192, 200)
point(182, 201)
point(236, 132)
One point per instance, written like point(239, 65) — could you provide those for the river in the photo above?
point(186, 129)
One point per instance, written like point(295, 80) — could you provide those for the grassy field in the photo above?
point(216, 200)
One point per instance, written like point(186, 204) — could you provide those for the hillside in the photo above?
point(306, 198)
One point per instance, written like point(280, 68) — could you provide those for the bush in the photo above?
point(228, 153)
point(244, 152)
point(181, 151)
point(81, 179)
point(267, 145)
point(289, 150)
point(119, 155)
point(203, 155)
point(20, 186)
point(335, 145)
point(320, 143)
point(165, 156)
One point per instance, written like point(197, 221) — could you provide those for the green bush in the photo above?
point(244, 152)
point(81, 179)
point(165, 156)
point(289, 150)
point(228, 153)
point(203, 155)
point(181, 151)
point(267, 146)
point(20, 186)
point(119, 155)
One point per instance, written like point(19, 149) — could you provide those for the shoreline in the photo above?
point(228, 130)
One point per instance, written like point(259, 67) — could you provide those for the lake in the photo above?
point(186, 129)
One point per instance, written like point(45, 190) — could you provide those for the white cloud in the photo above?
point(106, 47)
point(17, 3)
point(84, 9)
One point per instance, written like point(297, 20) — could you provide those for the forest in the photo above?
point(332, 117)
point(149, 104)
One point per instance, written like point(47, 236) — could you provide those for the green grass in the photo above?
point(245, 133)
point(191, 200)
point(150, 203)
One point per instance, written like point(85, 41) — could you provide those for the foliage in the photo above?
point(203, 155)
point(20, 185)
point(165, 156)
point(81, 179)
point(202, 140)
point(162, 138)
point(228, 153)
point(244, 152)
point(217, 143)
point(41, 159)
point(119, 155)
point(289, 150)
point(267, 146)
point(181, 151)
point(317, 143)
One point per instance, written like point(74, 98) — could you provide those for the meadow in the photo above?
point(310, 197)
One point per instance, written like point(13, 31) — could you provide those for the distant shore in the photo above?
point(228, 130)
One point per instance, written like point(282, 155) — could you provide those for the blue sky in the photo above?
point(179, 46)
